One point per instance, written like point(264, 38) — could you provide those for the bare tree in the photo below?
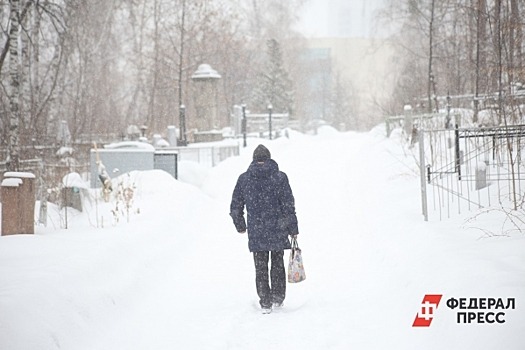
point(110, 63)
point(13, 161)
point(152, 110)
point(87, 90)
point(480, 52)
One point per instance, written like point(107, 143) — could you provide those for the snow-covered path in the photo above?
point(179, 276)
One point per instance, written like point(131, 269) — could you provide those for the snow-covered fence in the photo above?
point(411, 123)
point(259, 123)
point(208, 154)
point(471, 168)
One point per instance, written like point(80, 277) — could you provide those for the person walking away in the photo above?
point(270, 205)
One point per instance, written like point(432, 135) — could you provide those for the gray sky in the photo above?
point(339, 18)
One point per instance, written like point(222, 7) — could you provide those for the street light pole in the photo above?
point(243, 125)
point(270, 107)
point(182, 116)
point(447, 121)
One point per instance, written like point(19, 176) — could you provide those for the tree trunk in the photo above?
point(35, 82)
point(499, 58)
point(6, 48)
point(430, 54)
point(517, 29)
point(152, 117)
point(480, 55)
point(13, 161)
point(24, 75)
point(182, 123)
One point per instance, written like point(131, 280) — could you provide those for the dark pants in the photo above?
point(277, 292)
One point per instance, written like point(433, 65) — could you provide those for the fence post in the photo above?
point(458, 158)
point(408, 121)
point(243, 125)
point(422, 169)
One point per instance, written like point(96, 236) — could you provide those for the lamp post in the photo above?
point(270, 107)
point(243, 125)
point(182, 120)
point(447, 121)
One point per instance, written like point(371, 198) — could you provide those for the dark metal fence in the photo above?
point(469, 168)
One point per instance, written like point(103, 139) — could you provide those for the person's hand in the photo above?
point(241, 232)
point(294, 236)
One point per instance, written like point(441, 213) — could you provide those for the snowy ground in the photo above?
point(178, 276)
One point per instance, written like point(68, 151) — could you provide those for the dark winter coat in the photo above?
point(270, 206)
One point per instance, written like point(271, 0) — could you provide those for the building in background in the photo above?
point(366, 66)
point(343, 44)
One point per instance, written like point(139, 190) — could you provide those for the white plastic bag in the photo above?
point(296, 272)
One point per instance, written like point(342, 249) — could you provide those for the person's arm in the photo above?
point(237, 208)
point(288, 207)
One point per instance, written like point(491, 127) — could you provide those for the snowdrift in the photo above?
point(172, 273)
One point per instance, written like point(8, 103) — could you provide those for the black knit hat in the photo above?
point(261, 154)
